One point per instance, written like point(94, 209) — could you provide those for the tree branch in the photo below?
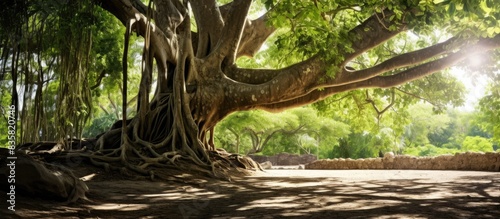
point(402, 77)
point(417, 96)
point(374, 105)
point(287, 83)
point(99, 80)
point(403, 60)
point(227, 45)
point(256, 146)
point(306, 76)
point(255, 34)
point(168, 15)
point(124, 11)
point(141, 7)
point(209, 23)
point(251, 76)
point(224, 10)
point(425, 69)
point(371, 33)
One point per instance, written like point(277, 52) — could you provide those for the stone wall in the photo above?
point(285, 159)
point(461, 161)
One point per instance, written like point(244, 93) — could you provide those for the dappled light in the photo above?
point(119, 207)
point(306, 193)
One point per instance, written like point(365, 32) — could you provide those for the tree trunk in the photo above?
point(175, 128)
point(198, 83)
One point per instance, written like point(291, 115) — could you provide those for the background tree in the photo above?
point(300, 130)
point(430, 134)
point(489, 106)
point(424, 124)
point(190, 51)
point(53, 56)
point(477, 144)
point(256, 127)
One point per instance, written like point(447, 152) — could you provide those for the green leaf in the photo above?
point(268, 4)
point(451, 9)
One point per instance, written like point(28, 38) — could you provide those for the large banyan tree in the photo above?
point(191, 47)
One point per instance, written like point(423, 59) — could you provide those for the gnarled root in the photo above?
point(160, 146)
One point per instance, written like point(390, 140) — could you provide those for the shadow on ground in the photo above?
point(353, 194)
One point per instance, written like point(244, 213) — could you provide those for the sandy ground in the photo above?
point(286, 194)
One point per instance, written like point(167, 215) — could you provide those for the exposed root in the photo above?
point(176, 147)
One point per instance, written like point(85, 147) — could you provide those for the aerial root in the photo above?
point(168, 148)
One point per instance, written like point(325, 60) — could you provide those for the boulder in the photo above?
point(44, 180)
point(266, 165)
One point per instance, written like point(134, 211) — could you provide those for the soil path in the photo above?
point(287, 194)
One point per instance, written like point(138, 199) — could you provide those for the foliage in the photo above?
point(99, 124)
point(362, 145)
point(72, 58)
point(431, 134)
point(428, 150)
point(477, 144)
point(489, 106)
point(424, 123)
point(298, 130)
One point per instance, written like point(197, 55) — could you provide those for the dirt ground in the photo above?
point(284, 194)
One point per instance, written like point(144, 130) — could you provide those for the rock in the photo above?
point(266, 165)
point(46, 180)
point(389, 156)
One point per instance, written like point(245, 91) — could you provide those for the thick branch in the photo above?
point(169, 15)
point(231, 34)
point(371, 33)
point(255, 34)
point(251, 76)
point(430, 67)
point(287, 83)
point(303, 77)
point(403, 60)
point(402, 77)
point(306, 76)
point(209, 23)
point(125, 11)
point(224, 10)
